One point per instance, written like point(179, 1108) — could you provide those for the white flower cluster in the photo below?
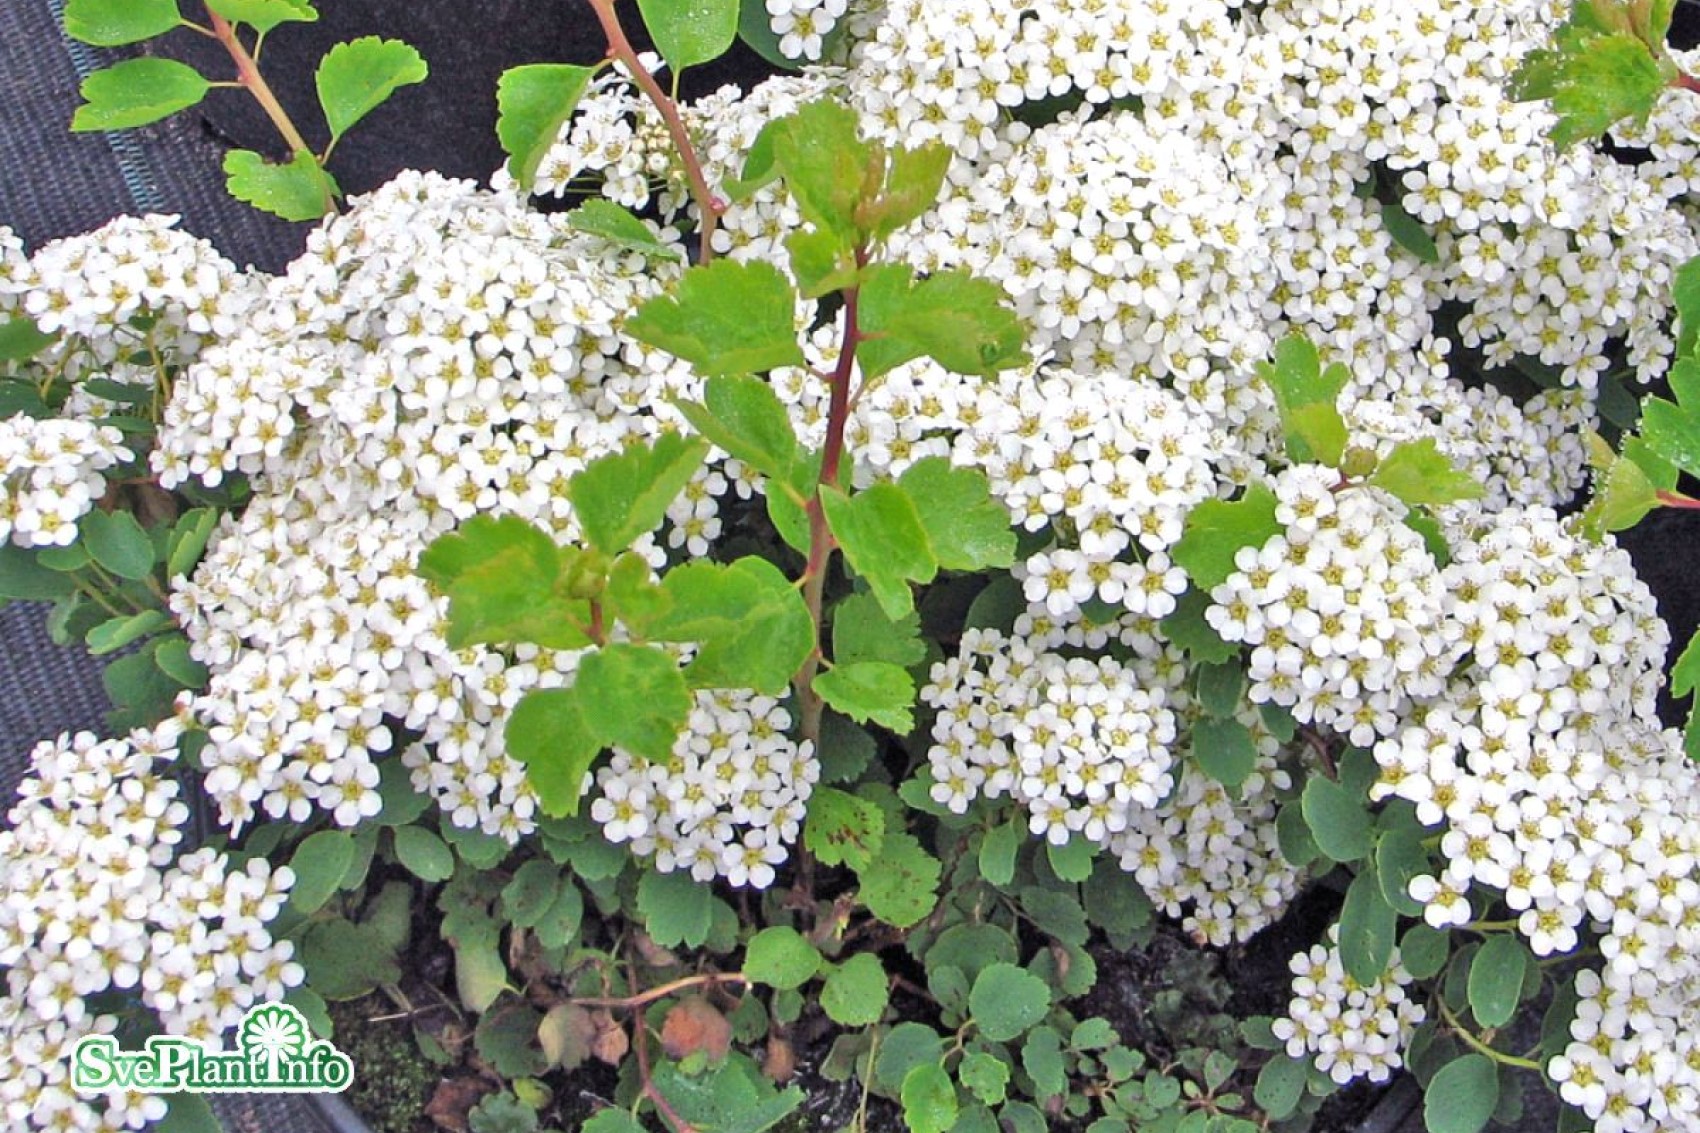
point(1087, 746)
point(731, 802)
point(95, 896)
point(1352, 1030)
point(51, 475)
point(1342, 609)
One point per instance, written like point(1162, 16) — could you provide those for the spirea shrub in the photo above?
point(1048, 466)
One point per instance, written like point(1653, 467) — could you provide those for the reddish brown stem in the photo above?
point(709, 205)
point(1676, 499)
point(1687, 82)
point(248, 74)
point(662, 991)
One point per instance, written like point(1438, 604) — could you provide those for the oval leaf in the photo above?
point(532, 104)
point(113, 23)
point(355, 78)
point(1462, 1095)
point(136, 92)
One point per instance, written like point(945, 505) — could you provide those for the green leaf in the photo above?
point(822, 262)
point(1072, 861)
point(189, 537)
point(1007, 1000)
point(1224, 750)
point(117, 542)
point(1422, 476)
point(602, 217)
point(1399, 857)
point(1408, 233)
point(613, 1119)
point(957, 319)
point(1187, 628)
point(880, 532)
point(319, 863)
point(724, 318)
point(1042, 1058)
point(676, 909)
point(1496, 979)
point(502, 1113)
point(1220, 689)
point(115, 633)
point(1462, 1095)
point(530, 893)
point(506, 1039)
point(968, 530)
point(781, 957)
point(626, 494)
point(824, 163)
point(1592, 79)
point(1280, 1085)
point(929, 1099)
point(1338, 822)
point(862, 632)
point(1113, 899)
point(856, 992)
point(1673, 430)
point(634, 697)
point(752, 628)
point(301, 190)
point(114, 23)
point(1367, 927)
point(1306, 394)
point(913, 178)
point(745, 417)
point(1685, 294)
point(423, 854)
point(175, 661)
point(842, 829)
point(986, 1075)
point(533, 103)
point(998, 851)
point(871, 690)
point(1215, 531)
point(731, 1098)
point(1424, 950)
point(501, 576)
point(356, 77)
point(21, 339)
point(140, 692)
point(264, 15)
point(1685, 674)
point(689, 32)
point(547, 732)
point(345, 960)
point(900, 886)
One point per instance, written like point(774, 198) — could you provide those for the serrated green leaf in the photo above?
point(531, 891)
point(821, 262)
point(506, 1039)
point(602, 217)
point(501, 577)
point(690, 32)
point(745, 417)
point(1433, 537)
point(998, 851)
point(1462, 1095)
point(1408, 233)
point(1186, 627)
point(1496, 979)
point(533, 103)
point(724, 318)
point(901, 1049)
point(1215, 531)
point(1007, 1000)
point(781, 957)
point(356, 77)
point(116, 541)
point(613, 1119)
point(1422, 476)
point(957, 319)
point(1113, 899)
point(1593, 79)
point(21, 339)
point(929, 1099)
point(1367, 927)
point(1672, 431)
point(1685, 294)
point(845, 750)
point(912, 181)
point(856, 992)
point(115, 633)
point(966, 528)
point(675, 908)
point(626, 494)
point(753, 630)
point(1224, 750)
point(319, 863)
point(900, 886)
point(114, 23)
point(1338, 822)
point(547, 732)
point(862, 632)
point(634, 697)
point(264, 15)
point(842, 829)
point(300, 190)
point(880, 532)
point(1685, 674)
point(824, 162)
point(871, 690)
point(730, 1098)
point(1306, 396)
